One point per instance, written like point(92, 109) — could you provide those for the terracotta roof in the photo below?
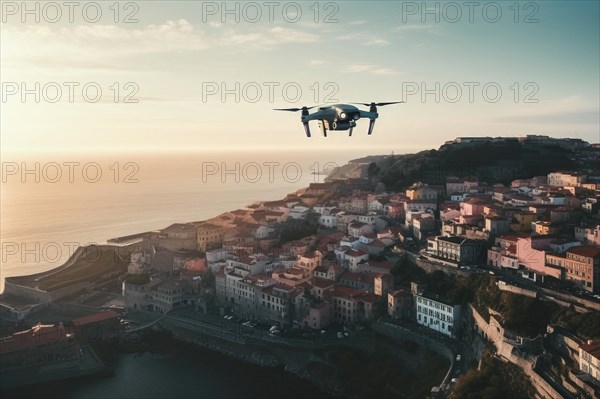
point(321, 269)
point(593, 348)
point(94, 318)
point(358, 277)
point(38, 335)
point(585, 250)
point(341, 291)
point(322, 282)
point(370, 298)
point(355, 253)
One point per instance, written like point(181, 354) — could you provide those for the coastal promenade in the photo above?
point(297, 354)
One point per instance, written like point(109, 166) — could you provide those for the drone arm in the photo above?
point(370, 115)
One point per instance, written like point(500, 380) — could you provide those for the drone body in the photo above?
point(338, 117)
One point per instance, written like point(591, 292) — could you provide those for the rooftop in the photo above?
point(585, 250)
point(94, 318)
point(592, 347)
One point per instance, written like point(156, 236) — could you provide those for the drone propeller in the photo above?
point(294, 109)
point(373, 106)
point(304, 113)
point(379, 104)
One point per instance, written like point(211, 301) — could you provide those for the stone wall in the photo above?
point(517, 290)
point(512, 348)
point(404, 334)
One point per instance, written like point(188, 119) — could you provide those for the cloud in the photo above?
point(286, 35)
point(370, 68)
point(427, 28)
point(384, 71)
point(364, 38)
point(318, 62)
point(114, 47)
point(377, 42)
point(95, 46)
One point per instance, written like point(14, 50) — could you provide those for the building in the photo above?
point(422, 224)
point(44, 346)
point(472, 207)
point(167, 295)
point(351, 259)
point(360, 281)
point(566, 178)
point(277, 303)
point(545, 227)
point(293, 276)
point(580, 264)
point(589, 359)
point(399, 304)
point(176, 237)
point(456, 251)
point(96, 327)
point(497, 225)
point(210, 236)
point(356, 229)
point(345, 303)
point(136, 292)
point(383, 283)
point(438, 315)
point(522, 222)
point(588, 235)
point(421, 191)
point(464, 185)
point(319, 316)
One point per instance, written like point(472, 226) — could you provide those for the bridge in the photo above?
point(146, 325)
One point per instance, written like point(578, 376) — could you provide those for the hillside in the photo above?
point(492, 160)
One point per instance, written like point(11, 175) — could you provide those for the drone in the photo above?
point(338, 116)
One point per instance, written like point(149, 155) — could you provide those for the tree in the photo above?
point(373, 170)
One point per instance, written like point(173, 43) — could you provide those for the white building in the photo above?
point(588, 235)
point(299, 212)
point(136, 263)
point(375, 206)
point(589, 359)
point(437, 315)
point(562, 178)
point(328, 221)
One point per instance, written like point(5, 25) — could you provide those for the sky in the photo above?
point(191, 75)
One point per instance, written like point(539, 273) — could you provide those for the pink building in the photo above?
point(472, 207)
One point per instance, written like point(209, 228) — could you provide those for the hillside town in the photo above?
point(326, 254)
point(331, 255)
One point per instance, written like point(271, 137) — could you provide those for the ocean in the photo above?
point(176, 370)
point(51, 204)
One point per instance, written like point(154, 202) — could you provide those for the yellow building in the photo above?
point(545, 227)
point(522, 222)
point(210, 236)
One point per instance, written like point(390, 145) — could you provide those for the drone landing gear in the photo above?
point(323, 128)
point(371, 125)
point(350, 132)
point(306, 129)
